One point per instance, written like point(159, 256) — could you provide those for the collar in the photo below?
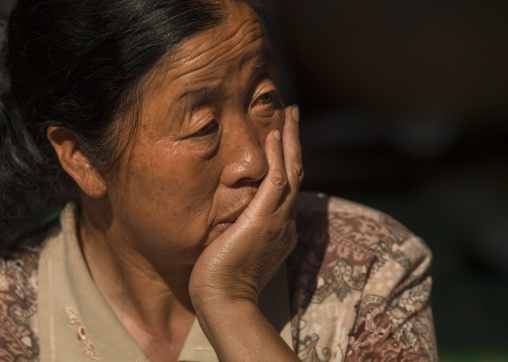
point(77, 324)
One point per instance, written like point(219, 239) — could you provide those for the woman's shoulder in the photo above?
point(333, 231)
point(19, 266)
point(18, 299)
point(338, 221)
point(361, 279)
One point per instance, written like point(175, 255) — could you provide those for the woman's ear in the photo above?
point(75, 163)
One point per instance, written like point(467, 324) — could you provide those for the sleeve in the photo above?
point(394, 318)
point(360, 286)
point(18, 307)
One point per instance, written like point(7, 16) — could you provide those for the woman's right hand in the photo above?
point(230, 273)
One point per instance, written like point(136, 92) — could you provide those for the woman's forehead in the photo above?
point(212, 54)
point(239, 31)
point(206, 65)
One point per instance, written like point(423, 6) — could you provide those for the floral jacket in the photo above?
point(359, 289)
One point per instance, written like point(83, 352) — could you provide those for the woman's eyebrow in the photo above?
point(196, 98)
point(264, 59)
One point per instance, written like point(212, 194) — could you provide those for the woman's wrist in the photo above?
point(237, 330)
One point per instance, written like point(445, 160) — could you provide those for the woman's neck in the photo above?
point(153, 305)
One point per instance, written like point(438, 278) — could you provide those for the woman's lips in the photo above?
point(229, 220)
point(226, 225)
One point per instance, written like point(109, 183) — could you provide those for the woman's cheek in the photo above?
point(267, 124)
point(279, 118)
point(202, 148)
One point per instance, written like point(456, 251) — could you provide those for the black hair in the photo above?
point(78, 64)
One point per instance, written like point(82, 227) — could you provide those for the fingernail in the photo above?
point(276, 134)
point(295, 113)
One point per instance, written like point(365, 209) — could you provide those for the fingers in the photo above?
point(271, 190)
point(292, 149)
point(285, 170)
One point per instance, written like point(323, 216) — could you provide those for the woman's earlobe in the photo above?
point(75, 162)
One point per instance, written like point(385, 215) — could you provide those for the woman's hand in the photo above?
point(229, 275)
point(240, 262)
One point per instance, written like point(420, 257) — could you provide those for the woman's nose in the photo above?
point(244, 155)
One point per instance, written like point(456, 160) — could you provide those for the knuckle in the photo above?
point(278, 178)
point(298, 171)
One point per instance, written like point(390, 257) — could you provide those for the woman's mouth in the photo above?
point(225, 225)
point(232, 216)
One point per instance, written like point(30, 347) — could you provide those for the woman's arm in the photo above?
point(238, 331)
point(231, 272)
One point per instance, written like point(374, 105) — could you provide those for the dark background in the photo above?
point(404, 108)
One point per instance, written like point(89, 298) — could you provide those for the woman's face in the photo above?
point(197, 157)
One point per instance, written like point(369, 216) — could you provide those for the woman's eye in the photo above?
point(266, 98)
point(267, 104)
point(210, 128)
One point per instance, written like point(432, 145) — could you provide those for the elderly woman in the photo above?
point(159, 125)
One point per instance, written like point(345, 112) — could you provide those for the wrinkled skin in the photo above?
point(198, 158)
point(201, 152)
point(202, 212)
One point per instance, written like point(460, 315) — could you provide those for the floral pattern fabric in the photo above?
point(18, 304)
point(360, 286)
